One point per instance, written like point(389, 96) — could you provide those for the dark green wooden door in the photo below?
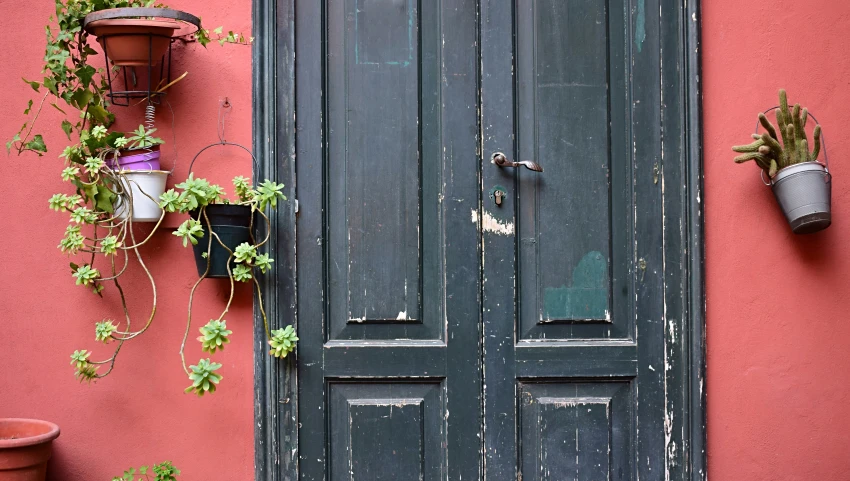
point(461, 320)
point(573, 338)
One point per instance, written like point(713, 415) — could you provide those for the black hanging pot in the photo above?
point(232, 225)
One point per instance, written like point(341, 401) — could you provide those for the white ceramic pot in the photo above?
point(143, 185)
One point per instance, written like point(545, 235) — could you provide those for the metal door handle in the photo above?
point(501, 161)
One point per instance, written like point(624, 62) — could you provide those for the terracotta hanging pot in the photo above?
point(25, 447)
point(131, 42)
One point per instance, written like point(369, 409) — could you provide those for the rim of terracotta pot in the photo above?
point(52, 432)
point(132, 22)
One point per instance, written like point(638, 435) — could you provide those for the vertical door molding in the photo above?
point(275, 386)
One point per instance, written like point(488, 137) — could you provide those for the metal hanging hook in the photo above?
point(224, 109)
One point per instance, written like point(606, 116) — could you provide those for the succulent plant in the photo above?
point(767, 151)
point(203, 377)
point(214, 336)
point(103, 331)
point(283, 342)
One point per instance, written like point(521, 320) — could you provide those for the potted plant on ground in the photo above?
point(164, 471)
point(800, 183)
point(25, 448)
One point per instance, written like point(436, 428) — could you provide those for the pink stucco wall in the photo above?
point(777, 321)
point(139, 414)
point(778, 362)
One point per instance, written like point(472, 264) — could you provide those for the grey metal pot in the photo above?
point(804, 192)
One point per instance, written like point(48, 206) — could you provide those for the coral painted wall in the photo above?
point(778, 362)
point(139, 414)
point(777, 322)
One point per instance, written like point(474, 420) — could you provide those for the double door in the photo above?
point(463, 317)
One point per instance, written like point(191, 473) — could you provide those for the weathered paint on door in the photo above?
point(573, 347)
point(389, 279)
point(443, 336)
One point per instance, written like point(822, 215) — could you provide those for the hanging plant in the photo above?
point(801, 184)
point(108, 195)
point(229, 246)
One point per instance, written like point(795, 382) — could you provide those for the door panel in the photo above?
point(575, 430)
point(572, 306)
point(383, 219)
point(382, 431)
point(570, 98)
point(388, 260)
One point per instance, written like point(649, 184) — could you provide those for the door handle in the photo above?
point(501, 161)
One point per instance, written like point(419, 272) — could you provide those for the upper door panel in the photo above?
point(573, 221)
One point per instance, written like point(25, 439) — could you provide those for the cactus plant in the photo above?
point(767, 151)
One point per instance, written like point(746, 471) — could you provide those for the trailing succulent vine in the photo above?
point(192, 197)
point(769, 153)
point(100, 230)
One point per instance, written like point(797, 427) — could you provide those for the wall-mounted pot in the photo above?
point(133, 42)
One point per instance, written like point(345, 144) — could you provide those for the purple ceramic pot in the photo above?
point(145, 160)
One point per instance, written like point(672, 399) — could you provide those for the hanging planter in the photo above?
point(801, 184)
point(141, 191)
point(130, 42)
point(232, 224)
point(804, 192)
point(136, 159)
point(136, 40)
point(221, 232)
point(25, 448)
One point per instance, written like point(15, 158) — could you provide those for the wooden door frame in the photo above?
point(275, 382)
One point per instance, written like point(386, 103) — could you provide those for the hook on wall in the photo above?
point(224, 108)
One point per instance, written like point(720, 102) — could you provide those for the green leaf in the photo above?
point(35, 85)
point(57, 108)
point(67, 128)
point(36, 145)
point(11, 143)
point(85, 74)
point(29, 108)
point(50, 85)
point(81, 99)
point(104, 199)
point(189, 231)
point(100, 114)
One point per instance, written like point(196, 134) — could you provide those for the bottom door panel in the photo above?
point(575, 430)
point(386, 431)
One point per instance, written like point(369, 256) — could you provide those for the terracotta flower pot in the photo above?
point(131, 42)
point(25, 447)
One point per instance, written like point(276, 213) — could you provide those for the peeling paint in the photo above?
point(492, 224)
